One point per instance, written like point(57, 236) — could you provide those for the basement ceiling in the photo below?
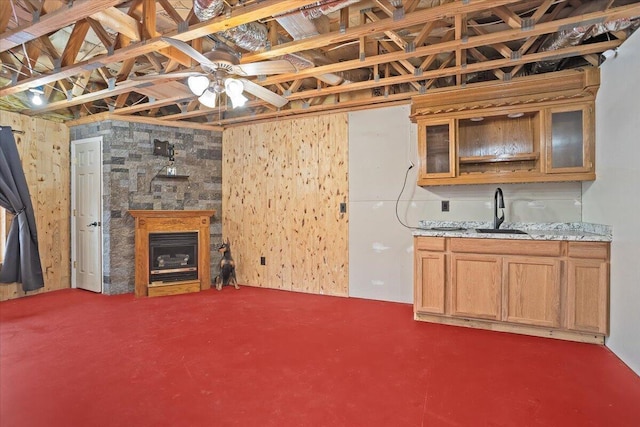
point(130, 59)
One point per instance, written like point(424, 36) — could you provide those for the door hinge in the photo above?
point(74, 212)
point(74, 160)
point(74, 264)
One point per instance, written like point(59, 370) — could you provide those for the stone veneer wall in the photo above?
point(130, 182)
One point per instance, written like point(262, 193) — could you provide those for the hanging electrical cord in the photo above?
point(404, 184)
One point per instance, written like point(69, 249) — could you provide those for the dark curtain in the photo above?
point(22, 258)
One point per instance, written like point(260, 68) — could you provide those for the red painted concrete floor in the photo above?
point(258, 357)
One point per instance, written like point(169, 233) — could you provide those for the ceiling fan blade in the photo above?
point(279, 66)
point(188, 50)
point(330, 78)
point(264, 94)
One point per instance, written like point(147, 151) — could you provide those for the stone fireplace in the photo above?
point(172, 253)
point(131, 182)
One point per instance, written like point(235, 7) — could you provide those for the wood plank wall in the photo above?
point(44, 150)
point(283, 183)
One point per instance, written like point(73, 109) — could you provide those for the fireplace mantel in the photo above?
point(162, 221)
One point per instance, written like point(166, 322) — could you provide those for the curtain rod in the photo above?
point(14, 130)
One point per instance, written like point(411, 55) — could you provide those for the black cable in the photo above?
point(154, 177)
point(404, 184)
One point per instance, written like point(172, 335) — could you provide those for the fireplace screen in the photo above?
point(173, 257)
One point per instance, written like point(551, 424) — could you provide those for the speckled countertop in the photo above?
point(574, 231)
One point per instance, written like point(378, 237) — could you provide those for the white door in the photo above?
point(86, 218)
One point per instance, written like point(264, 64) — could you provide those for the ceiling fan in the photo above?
point(219, 65)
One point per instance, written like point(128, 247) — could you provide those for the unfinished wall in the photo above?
point(382, 143)
point(613, 198)
point(283, 185)
point(44, 150)
point(130, 182)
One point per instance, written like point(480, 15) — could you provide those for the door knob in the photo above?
point(93, 224)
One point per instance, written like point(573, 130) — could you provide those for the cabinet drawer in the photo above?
point(588, 250)
point(430, 243)
point(507, 247)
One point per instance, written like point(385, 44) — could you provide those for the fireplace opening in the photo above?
point(173, 257)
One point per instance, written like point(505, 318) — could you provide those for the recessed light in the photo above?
point(515, 115)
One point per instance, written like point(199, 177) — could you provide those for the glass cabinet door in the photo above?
point(569, 142)
point(437, 149)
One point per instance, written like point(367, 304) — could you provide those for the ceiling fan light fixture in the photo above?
point(198, 84)
point(237, 100)
point(208, 99)
point(233, 87)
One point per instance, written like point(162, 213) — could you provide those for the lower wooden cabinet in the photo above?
point(531, 291)
point(476, 286)
point(430, 274)
point(588, 295)
point(556, 289)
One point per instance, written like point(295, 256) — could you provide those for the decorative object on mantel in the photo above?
point(227, 274)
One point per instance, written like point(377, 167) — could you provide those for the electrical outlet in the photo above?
point(343, 208)
point(263, 261)
point(445, 206)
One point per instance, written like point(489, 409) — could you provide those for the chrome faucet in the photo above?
point(498, 202)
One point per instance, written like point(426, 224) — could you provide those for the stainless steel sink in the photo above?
point(499, 231)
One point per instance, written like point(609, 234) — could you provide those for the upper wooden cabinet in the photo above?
point(533, 129)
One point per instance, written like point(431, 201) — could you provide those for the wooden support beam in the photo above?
point(480, 57)
point(272, 35)
point(74, 43)
point(49, 49)
point(535, 41)
point(105, 38)
point(402, 71)
point(138, 119)
point(371, 28)
point(362, 41)
point(32, 52)
point(119, 22)
point(501, 48)
point(470, 68)
point(53, 21)
point(461, 54)
point(173, 14)
point(391, 48)
point(121, 100)
point(125, 86)
point(542, 9)
point(177, 55)
point(410, 5)
point(402, 44)
point(149, 18)
point(442, 66)
point(80, 85)
point(510, 18)
point(448, 46)
point(385, 6)
point(5, 15)
point(344, 18)
point(424, 33)
point(254, 12)
point(155, 62)
point(592, 59)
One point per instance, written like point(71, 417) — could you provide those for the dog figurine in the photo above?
point(227, 274)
